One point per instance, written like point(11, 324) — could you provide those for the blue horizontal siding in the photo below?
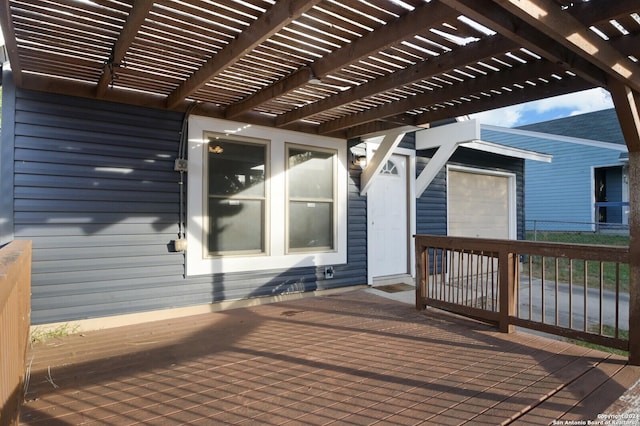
point(95, 190)
point(597, 125)
point(431, 207)
point(560, 191)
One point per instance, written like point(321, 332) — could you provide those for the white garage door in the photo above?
point(480, 205)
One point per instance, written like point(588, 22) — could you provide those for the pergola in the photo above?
point(342, 68)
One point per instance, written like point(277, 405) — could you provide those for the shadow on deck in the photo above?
point(353, 358)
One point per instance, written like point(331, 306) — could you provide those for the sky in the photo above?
point(547, 109)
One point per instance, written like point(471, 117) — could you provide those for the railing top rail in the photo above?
point(536, 248)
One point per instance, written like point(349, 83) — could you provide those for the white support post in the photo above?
point(390, 141)
point(435, 164)
point(446, 138)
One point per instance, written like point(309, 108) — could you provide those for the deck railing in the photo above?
point(15, 308)
point(573, 291)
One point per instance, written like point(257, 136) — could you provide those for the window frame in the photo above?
point(277, 257)
point(334, 156)
point(210, 136)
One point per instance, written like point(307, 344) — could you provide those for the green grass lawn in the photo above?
point(575, 270)
point(608, 331)
point(579, 238)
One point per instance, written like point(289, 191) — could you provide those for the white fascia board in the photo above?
point(462, 131)
point(508, 151)
point(466, 133)
point(557, 138)
point(377, 136)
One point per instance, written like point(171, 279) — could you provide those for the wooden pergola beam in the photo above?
point(627, 103)
point(402, 28)
point(590, 13)
point(628, 45)
point(567, 31)
point(372, 128)
point(9, 33)
point(522, 96)
point(465, 55)
point(132, 25)
point(146, 100)
point(273, 20)
point(529, 36)
point(297, 79)
point(496, 80)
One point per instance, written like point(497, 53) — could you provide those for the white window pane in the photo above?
point(236, 226)
point(310, 225)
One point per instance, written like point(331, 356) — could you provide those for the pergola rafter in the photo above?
point(134, 21)
point(273, 20)
point(402, 28)
point(470, 54)
point(492, 83)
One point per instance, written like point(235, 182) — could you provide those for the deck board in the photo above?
point(353, 358)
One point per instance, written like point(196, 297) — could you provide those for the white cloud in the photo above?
point(547, 109)
point(505, 117)
point(578, 103)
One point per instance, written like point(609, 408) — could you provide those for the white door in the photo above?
point(388, 220)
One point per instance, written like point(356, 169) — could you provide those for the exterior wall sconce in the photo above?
point(360, 161)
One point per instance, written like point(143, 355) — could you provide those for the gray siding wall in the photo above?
point(96, 192)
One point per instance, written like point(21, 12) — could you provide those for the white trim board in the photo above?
point(447, 138)
point(560, 138)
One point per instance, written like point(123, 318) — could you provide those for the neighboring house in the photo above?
point(265, 212)
point(586, 184)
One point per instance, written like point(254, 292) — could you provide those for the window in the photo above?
point(236, 197)
point(389, 169)
point(260, 198)
point(311, 199)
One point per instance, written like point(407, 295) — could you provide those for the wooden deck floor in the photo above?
point(348, 359)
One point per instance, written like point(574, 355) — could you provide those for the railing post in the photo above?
point(634, 257)
point(421, 275)
point(506, 268)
